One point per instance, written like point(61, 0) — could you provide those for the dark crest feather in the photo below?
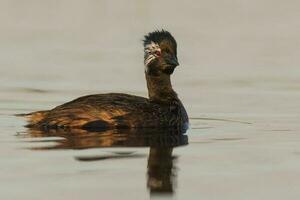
point(158, 36)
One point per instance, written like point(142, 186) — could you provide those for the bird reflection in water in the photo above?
point(161, 171)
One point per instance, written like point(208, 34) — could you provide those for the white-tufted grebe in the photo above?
point(104, 111)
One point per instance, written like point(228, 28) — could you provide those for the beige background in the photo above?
point(239, 72)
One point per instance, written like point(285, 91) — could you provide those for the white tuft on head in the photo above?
point(149, 59)
point(151, 52)
point(152, 47)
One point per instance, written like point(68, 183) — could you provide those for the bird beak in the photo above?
point(173, 61)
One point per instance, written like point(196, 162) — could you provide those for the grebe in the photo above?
point(114, 110)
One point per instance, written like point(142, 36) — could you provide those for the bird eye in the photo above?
point(157, 53)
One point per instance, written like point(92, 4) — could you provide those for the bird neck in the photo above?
point(160, 88)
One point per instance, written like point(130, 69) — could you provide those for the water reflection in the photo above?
point(161, 169)
point(161, 172)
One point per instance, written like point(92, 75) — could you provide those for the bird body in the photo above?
point(113, 110)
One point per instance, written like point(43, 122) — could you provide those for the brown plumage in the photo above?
point(113, 110)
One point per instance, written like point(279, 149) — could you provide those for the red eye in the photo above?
point(158, 53)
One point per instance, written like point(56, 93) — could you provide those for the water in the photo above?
point(238, 78)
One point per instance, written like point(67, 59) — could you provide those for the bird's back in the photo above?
point(111, 110)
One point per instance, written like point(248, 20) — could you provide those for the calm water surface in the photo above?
point(239, 80)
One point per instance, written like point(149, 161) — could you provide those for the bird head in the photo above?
point(160, 53)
